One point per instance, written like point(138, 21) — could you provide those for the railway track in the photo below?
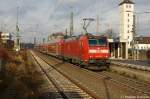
point(121, 82)
point(66, 87)
point(124, 82)
point(138, 86)
point(134, 71)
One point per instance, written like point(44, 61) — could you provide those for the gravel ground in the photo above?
point(135, 62)
point(63, 84)
point(133, 73)
point(103, 87)
point(46, 90)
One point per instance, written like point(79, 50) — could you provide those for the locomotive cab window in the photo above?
point(93, 41)
point(100, 41)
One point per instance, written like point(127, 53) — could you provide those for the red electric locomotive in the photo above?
point(87, 49)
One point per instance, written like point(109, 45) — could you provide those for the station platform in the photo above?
point(135, 62)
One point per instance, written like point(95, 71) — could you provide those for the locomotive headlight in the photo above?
point(92, 51)
point(104, 51)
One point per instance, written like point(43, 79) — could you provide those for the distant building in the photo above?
point(26, 45)
point(126, 21)
point(6, 40)
point(5, 37)
point(143, 43)
point(55, 37)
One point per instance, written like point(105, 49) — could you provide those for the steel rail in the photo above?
point(121, 83)
point(93, 95)
point(124, 84)
point(53, 82)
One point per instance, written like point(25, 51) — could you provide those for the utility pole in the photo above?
point(1, 26)
point(34, 40)
point(17, 41)
point(36, 33)
point(71, 24)
point(134, 35)
point(43, 40)
point(66, 33)
point(134, 25)
point(97, 29)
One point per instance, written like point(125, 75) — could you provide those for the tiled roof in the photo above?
point(127, 1)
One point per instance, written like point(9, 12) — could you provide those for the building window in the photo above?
point(128, 20)
point(128, 26)
point(128, 31)
point(129, 6)
point(126, 6)
point(128, 37)
point(141, 47)
point(128, 14)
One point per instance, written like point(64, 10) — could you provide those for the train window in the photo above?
point(93, 41)
point(102, 41)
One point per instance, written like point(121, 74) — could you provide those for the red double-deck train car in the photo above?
point(84, 50)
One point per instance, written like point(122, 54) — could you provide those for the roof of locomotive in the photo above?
point(88, 35)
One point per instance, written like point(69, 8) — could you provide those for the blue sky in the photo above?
point(39, 18)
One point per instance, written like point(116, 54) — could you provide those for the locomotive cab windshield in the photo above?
point(98, 41)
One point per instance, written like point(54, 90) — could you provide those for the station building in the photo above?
point(6, 40)
point(5, 37)
point(143, 43)
point(141, 48)
point(55, 37)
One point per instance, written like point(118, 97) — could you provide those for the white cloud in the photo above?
point(48, 13)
